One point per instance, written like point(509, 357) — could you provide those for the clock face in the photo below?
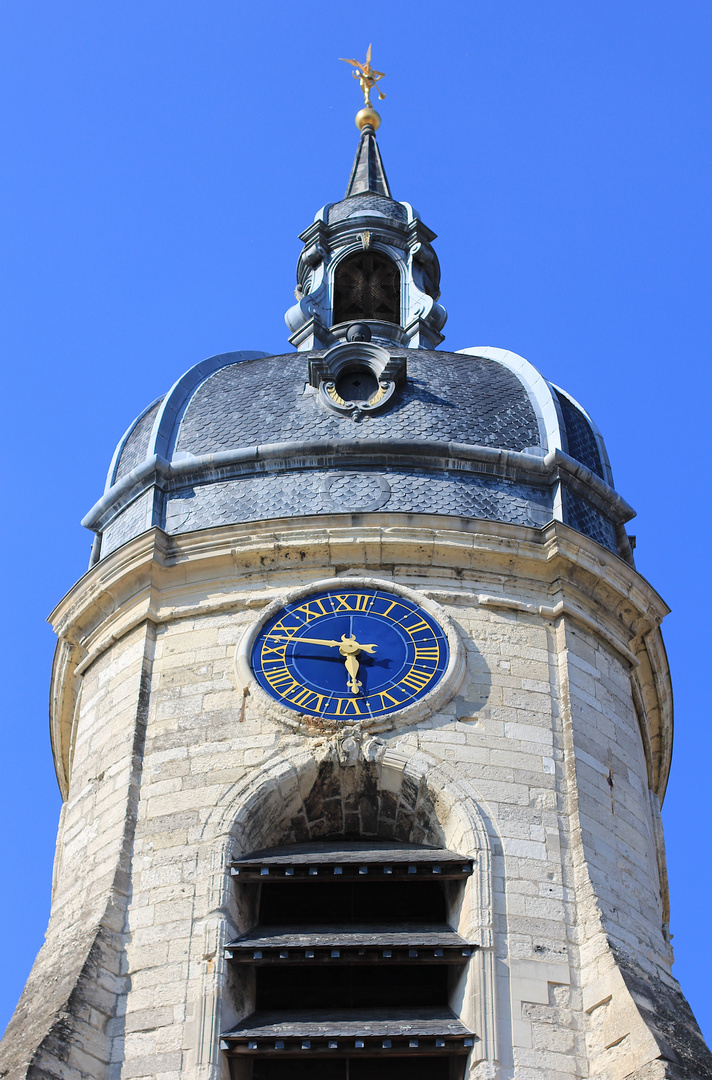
point(358, 653)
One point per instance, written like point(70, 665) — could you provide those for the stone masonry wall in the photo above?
point(615, 812)
point(535, 768)
point(505, 743)
point(63, 1024)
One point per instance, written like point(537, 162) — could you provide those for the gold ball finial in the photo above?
point(367, 116)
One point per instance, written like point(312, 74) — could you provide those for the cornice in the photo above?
point(298, 455)
point(159, 578)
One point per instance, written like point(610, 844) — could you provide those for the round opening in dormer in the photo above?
point(357, 385)
point(367, 286)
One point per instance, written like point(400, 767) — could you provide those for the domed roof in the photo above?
point(247, 436)
point(446, 396)
point(366, 417)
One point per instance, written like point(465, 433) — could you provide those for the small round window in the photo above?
point(357, 385)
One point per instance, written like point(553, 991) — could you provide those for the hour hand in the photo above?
point(349, 649)
point(352, 666)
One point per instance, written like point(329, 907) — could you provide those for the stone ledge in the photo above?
point(158, 579)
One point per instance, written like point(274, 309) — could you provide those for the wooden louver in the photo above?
point(359, 970)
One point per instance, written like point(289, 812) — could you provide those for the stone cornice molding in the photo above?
point(555, 611)
point(298, 455)
point(562, 575)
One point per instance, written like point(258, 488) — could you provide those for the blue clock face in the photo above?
point(354, 654)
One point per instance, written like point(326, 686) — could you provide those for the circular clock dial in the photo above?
point(359, 653)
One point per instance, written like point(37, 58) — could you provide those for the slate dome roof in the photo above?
point(462, 398)
point(246, 436)
point(367, 416)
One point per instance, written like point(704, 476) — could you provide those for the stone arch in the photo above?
point(338, 793)
point(351, 786)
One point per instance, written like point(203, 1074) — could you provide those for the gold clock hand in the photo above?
point(352, 667)
point(349, 649)
point(309, 640)
point(351, 644)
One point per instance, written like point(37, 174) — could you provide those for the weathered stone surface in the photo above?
point(541, 768)
point(669, 1018)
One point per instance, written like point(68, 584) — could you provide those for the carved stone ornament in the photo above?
point(357, 377)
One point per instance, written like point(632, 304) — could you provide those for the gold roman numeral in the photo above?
point(386, 697)
point(427, 653)
point(390, 607)
point(416, 680)
point(280, 650)
point(422, 625)
point(360, 602)
point(342, 706)
point(302, 699)
point(281, 681)
point(309, 615)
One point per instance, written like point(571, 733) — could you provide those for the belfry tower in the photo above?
point(361, 716)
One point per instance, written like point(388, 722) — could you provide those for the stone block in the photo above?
point(148, 1019)
point(152, 1066)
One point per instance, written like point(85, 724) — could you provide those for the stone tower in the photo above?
point(361, 716)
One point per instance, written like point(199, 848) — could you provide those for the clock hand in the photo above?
point(349, 648)
point(309, 640)
point(351, 643)
point(352, 667)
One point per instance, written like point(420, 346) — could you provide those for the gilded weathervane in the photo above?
point(367, 77)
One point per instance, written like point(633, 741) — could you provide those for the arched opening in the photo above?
point(351, 953)
point(351, 964)
point(367, 286)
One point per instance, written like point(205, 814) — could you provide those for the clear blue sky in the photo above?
point(159, 160)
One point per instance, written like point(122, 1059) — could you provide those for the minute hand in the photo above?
point(319, 641)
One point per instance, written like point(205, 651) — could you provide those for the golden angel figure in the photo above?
point(367, 77)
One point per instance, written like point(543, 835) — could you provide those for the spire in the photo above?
point(368, 173)
point(367, 271)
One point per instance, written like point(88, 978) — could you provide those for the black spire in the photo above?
point(368, 174)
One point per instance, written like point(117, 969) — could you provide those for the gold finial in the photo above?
point(367, 77)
